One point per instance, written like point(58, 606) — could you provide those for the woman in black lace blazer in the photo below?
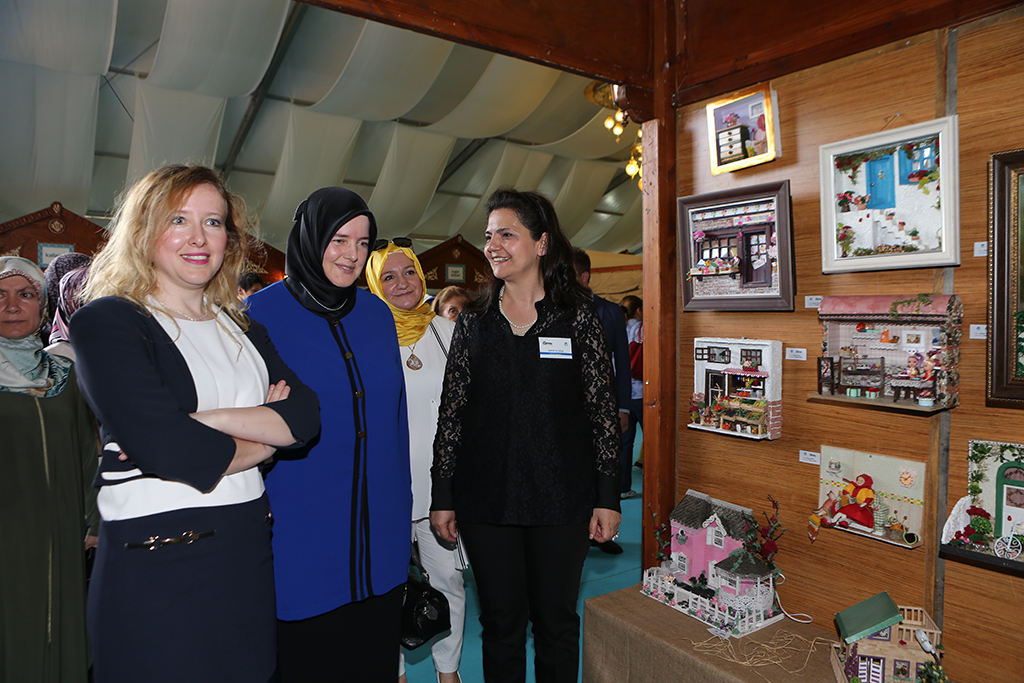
point(526, 452)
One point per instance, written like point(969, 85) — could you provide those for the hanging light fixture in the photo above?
point(635, 165)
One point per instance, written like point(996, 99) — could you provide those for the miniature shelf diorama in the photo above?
point(987, 525)
point(871, 495)
point(896, 352)
point(720, 567)
point(737, 387)
point(884, 643)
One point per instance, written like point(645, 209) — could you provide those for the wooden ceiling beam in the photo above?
point(604, 39)
point(751, 41)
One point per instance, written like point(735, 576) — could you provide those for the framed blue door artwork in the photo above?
point(891, 200)
point(881, 183)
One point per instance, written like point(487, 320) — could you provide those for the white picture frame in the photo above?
point(909, 178)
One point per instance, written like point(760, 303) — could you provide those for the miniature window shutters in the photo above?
point(757, 271)
point(881, 183)
point(923, 160)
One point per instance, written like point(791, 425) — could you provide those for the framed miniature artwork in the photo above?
point(743, 129)
point(987, 525)
point(1006, 299)
point(872, 495)
point(890, 200)
point(737, 252)
point(737, 387)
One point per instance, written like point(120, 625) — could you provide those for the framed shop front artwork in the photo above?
point(1005, 294)
point(737, 252)
point(890, 200)
point(743, 129)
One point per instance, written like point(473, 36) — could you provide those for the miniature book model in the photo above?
point(720, 568)
point(884, 642)
point(737, 387)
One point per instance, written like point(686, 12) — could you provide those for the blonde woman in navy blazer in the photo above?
point(191, 397)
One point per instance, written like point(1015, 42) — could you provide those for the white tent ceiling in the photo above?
point(285, 98)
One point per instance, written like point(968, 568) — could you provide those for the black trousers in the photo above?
point(355, 642)
point(528, 574)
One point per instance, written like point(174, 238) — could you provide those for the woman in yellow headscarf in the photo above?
point(394, 274)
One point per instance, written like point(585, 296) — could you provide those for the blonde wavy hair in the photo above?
point(124, 266)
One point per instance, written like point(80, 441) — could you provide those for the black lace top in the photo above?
point(522, 439)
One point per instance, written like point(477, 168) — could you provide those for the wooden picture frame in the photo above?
point(1005, 386)
point(737, 249)
point(883, 205)
point(743, 129)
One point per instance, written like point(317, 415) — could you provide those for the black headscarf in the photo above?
point(316, 221)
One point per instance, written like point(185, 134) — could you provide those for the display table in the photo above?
point(627, 636)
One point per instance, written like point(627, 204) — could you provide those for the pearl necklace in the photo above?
point(501, 295)
point(206, 311)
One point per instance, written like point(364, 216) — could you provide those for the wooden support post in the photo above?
point(660, 286)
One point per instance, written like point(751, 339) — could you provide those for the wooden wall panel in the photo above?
point(855, 96)
point(984, 610)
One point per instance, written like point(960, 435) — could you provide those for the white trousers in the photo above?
point(444, 576)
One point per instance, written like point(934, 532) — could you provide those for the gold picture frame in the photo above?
point(743, 129)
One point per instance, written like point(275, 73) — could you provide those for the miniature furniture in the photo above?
point(732, 144)
point(858, 374)
point(902, 348)
point(629, 637)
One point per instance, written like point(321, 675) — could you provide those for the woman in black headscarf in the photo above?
point(342, 505)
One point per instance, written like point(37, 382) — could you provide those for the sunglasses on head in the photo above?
point(397, 241)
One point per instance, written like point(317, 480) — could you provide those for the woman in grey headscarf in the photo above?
point(50, 453)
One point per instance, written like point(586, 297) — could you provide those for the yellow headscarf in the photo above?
point(412, 324)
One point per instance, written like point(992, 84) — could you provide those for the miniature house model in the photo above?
point(881, 642)
point(710, 575)
point(737, 387)
point(901, 349)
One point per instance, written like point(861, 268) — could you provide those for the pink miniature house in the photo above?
point(710, 575)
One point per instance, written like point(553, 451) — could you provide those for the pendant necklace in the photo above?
point(206, 311)
point(413, 363)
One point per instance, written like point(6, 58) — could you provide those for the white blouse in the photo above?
point(228, 372)
point(423, 398)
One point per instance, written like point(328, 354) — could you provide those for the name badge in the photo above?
point(555, 347)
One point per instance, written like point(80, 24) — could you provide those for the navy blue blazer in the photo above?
point(141, 390)
point(614, 322)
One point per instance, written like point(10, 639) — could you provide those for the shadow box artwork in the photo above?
point(1005, 294)
point(737, 387)
point(897, 353)
point(737, 252)
point(871, 495)
point(743, 129)
point(987, 525)
point(890, 200)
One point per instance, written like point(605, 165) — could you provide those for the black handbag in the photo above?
point(425, 611)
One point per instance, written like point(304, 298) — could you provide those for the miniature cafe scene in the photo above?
point(600, 344)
